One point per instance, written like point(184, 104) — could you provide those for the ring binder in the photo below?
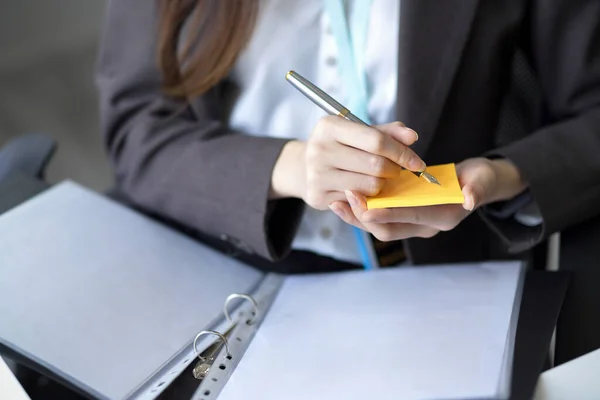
point(245, 297)
point(241, 334)
point(205, 363)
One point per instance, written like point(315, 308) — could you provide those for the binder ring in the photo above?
point(240, 296)
point(208, 332)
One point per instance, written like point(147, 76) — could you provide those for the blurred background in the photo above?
point(47, 58)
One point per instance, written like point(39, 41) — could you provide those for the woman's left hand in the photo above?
point(482, 181)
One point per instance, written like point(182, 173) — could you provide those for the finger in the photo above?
point(470, 201)
point(335, 196)
point(343, 210)
point(442, 217)
point(387, 231)
point(391, 232)
point(357, 203)
point(474, 191)
point(338, 180)
point(474, 196)
point(358, 207)
point(359, 161)
point(477, 180)
point(400, 132)
point(375, 142)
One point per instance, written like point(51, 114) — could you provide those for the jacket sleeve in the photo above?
point(561, 161)
point(179, 161)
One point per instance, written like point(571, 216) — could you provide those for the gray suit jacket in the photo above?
point(455, 58)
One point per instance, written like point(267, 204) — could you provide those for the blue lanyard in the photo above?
point(351, 41)
point(351, 47)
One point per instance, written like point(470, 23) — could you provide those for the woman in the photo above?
point(203, 129)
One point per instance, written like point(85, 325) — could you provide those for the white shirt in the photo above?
point(297, 35)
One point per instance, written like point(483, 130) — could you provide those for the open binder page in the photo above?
point(404, 333)
point(103, 296)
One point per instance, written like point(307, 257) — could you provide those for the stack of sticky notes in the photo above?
point(408, 190)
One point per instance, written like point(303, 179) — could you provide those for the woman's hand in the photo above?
point(342, 155)
point(482, 180)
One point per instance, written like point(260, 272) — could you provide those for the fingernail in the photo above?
point(337, 211)
point(351, 199)
point(469, 203)
point(472, 203)
point(416, 164)
point(415, 133)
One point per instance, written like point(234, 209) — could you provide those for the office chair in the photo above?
point(23, 161)
point(27, 154)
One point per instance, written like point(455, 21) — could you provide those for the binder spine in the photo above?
point(171, 370)
point(206, 361)
point(178, 364)
point(247, 320)
point(234, 330)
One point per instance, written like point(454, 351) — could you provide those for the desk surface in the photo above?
point(577, 379)
point(9, 386)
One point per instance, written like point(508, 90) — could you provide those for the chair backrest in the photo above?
point(26, 154)
point(578, 329)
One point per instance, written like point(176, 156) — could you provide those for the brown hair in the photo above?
point(218, 32)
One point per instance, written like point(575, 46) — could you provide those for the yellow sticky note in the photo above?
point(408, 190)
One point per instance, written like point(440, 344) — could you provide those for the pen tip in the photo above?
point(430, 178)
point(289, 74)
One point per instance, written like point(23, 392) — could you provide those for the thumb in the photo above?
point(470, 198)
point(474, 193)
point(400, 132)
point(476, 181)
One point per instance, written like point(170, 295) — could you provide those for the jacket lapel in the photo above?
point(433, 34)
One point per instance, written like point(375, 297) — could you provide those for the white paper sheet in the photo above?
point(405, 333)
point(576, 379)
point(103, 295)
point(10, 388)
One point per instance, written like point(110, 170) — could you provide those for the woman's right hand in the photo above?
point(342, 155)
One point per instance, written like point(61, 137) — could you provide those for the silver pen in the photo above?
point(332, 107)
